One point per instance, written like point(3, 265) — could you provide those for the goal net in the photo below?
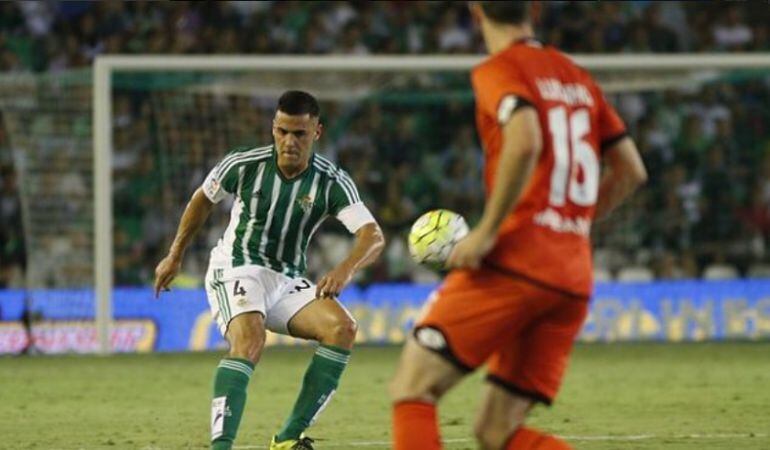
point(107, 162)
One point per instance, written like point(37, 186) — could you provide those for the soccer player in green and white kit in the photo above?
point(254, 282)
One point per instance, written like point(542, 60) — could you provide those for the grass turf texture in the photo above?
point(650, 396)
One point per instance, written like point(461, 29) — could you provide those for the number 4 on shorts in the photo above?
point(238, 289)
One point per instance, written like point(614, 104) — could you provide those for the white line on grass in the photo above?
point(625, 437)
point(720, 436)
point(621, 438)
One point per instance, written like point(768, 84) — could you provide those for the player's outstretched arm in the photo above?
point(195, 214)
point(623, 174)
point(522, 143)
point(368, 245)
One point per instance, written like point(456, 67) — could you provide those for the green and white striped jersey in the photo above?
point(272, 218)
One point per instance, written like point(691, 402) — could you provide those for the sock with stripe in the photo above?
point(319, 384)
point(230, 381)
point(415, 426)
point(526, 438)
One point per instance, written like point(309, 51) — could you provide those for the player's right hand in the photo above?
point(165, 273)
point(470, 250)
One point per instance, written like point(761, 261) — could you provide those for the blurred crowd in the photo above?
point(707, 204)
point(707, 149)
point(55, 35)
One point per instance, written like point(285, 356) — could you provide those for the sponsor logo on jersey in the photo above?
point(550, 218)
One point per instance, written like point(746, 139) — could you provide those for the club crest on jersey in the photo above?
point(305, 203)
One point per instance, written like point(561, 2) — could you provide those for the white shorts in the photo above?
point(237, 290)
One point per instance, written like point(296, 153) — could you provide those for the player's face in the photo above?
point(294, 137)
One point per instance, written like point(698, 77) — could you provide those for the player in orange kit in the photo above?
point(523, 276)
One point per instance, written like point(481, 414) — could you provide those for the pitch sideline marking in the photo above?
point(629, 437)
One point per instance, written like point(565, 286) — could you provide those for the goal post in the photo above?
point(103, 238)
point(680, 66)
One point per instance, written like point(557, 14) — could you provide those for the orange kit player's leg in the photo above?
point(528, 372)
point(535, 366)
point(473, 315)
point(455, 336)
point(421, 380)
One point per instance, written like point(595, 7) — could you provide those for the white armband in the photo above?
point(355, 216)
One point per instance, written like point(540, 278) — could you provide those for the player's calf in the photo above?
point(246, 334)
point(326, 321)
point(489, 439)
point(500, 424)
point(500, 415)
point(421, 379)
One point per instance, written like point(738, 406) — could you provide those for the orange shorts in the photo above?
point(522, 329)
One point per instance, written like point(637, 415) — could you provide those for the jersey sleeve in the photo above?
point(342, 193)
point(611, 126)
point(499, 92)
point(222, 180)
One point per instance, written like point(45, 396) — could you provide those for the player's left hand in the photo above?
point(331, 284)
point(471, 249)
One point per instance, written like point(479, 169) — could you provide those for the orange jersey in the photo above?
point(546, 237)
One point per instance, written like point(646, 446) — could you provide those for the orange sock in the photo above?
point(530, 439)
point(415, 426)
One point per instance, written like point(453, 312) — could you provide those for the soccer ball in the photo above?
point(434, 235)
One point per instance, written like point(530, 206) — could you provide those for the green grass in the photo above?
point(663, 394)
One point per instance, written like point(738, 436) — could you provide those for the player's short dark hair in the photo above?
point(506, 11)
point(298, 103)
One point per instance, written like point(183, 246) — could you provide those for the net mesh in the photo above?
point(48, 121)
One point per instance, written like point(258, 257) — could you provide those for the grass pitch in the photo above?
point(638, 396)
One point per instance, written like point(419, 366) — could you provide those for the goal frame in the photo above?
point(105, 66)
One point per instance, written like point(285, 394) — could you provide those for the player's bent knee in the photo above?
point(246, 336)
point(341, 332)
point(247, 348)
